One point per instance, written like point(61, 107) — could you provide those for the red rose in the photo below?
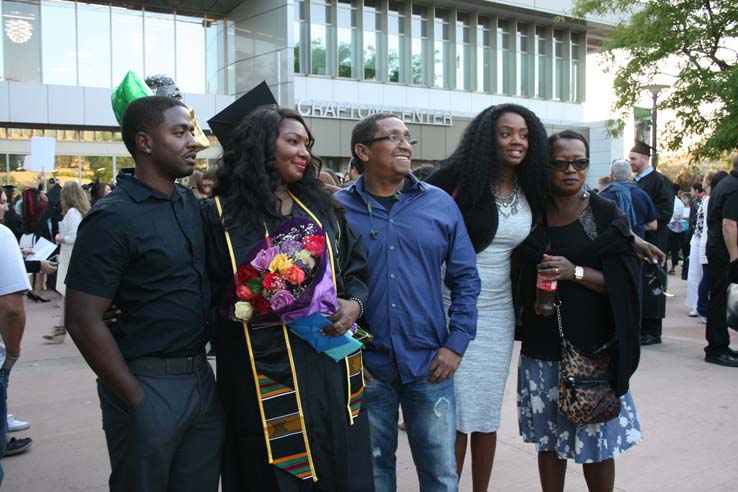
point(244, 292)
point(261, 305)
point(246, 273)
point(295, 275)
point(315, 244)
point(273, 281)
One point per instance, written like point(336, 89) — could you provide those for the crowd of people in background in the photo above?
point(446, 265)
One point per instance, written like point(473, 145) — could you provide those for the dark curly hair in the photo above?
point(476, 162)
point(247, 177)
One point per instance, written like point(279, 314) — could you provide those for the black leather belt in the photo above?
point(159, 366)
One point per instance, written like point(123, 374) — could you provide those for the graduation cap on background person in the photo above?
point(223, 123)
point(641, 148)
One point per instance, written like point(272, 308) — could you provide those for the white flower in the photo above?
point(543, 440)
point(592, 429)
point(537, 404)
point(553, 393)
point(243, 310)
point(533, 385)
point(578, 445)
point(633, 436)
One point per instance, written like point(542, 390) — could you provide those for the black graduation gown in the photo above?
point(661, 191)
point(341, 453)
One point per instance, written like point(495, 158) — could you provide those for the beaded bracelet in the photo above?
point(361, 305)
point(12, 356)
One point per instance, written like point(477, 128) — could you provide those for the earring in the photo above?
point(585, 195)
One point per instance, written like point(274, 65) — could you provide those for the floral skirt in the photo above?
point(541, 423)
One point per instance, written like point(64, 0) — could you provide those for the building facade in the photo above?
point(433, 63)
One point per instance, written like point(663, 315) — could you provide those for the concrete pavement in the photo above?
point(686, 408)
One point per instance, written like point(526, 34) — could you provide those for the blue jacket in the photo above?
point(423, 232)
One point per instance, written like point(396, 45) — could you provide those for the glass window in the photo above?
point(575, 66)
point(215, 59)
point(190, 54)
point(396, 39)
point(301, 36)
point(93, 51)
point(463, 52)
point(558, 79)
point(347, 34)
point(420, 27)
point(442, 48)
point(97, 167)
point(523, 77)
point(372, 40)
point(127, 30)
point(67, 168)
point(542, 62)
point(159, 44)
point(484, 55)
point(320, 20)
point(58, 47)
point(504, 57)
point(22, 41)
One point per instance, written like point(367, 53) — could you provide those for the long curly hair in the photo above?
point(477, 165)
point(247, 177)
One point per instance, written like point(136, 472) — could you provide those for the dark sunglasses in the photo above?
point(562, 165)
point(394, 138)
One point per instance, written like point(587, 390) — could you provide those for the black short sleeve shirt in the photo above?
point(145, 251)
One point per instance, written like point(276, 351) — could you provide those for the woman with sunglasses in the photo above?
point(581, 241)
point(497, 176)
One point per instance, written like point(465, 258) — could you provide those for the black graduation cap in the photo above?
point(641, 148)
point(223, 123)
point(9, 187)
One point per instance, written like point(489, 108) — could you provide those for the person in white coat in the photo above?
point(75, 206)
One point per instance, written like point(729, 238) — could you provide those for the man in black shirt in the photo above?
point(722, 250)
point(142, 248)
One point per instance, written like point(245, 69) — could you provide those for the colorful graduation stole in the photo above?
point(280, 404)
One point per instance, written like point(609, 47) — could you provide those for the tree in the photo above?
point(699, 38)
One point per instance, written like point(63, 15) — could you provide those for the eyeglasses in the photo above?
point(562, 165)
point(394, 138)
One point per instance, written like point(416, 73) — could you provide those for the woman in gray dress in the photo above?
point(498, 176)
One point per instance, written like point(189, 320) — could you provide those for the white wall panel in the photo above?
point(28, 103)
point(98, 109)
point(4, 101)
point(66, 105)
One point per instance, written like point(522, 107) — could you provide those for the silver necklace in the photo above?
point(507, 205)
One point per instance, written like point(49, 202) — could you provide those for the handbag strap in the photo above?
point(557, 305)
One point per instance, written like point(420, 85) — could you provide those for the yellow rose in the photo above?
point(280, 264)
point(243, 310)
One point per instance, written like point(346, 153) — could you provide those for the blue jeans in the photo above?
point(4, 375)
point(430, 419)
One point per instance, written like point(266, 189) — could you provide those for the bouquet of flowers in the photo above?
point(287, 278)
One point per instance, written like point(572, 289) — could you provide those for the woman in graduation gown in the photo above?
point(294, 421)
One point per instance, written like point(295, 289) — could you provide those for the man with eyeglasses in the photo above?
point(661, 191)
point(411, 231)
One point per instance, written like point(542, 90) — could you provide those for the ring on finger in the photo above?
point(557, 270)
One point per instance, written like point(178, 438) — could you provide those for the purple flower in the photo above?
point(264, 258)
point(291, 248)
point(281, 299)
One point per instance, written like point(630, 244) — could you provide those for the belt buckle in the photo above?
point(190, 364)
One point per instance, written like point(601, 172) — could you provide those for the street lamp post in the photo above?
point(654, 89)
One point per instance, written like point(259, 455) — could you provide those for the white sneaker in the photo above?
point(692, 313)
point(16, 425)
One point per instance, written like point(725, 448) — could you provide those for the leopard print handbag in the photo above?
point(586, 394)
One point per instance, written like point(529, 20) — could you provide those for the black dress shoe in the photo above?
point(726, 359)
point(650, 340)
point(17, 445)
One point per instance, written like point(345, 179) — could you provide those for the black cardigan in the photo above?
point(481, 220)
point(621, 269)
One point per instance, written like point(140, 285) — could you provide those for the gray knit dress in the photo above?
point(480, 380)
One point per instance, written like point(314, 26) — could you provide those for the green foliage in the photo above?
point(700, 39)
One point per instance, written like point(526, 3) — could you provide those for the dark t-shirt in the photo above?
point(145, 251)
point(723, 205)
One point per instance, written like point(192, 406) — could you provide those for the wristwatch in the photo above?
point(578, 272)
